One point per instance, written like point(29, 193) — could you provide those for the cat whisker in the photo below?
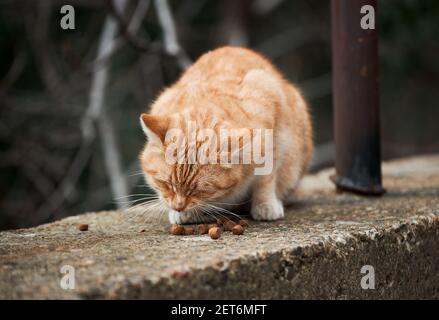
point(144, 208)
point(223, 210)
point(144, 185)
point(152, 213)
point(141, 204)
point(157, 214)
point(130, 202)
point(214, 212)
point(135, 174)
point(136, 194)
point(231, 204)
point(200, 217)
point(126, 199)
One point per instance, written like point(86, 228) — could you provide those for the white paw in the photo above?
point(272, 210)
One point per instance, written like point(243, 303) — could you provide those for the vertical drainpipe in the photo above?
point(355, 99)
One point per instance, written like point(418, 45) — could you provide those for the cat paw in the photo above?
point(267, 211)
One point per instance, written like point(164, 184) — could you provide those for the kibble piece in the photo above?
point(243, 223)
point(238, 230)
point(212, 225)
point(228, 226)
point(83, 227)
point(177, 230)
point(178, 275)
point(215, 233)
point(188, 231)
point(202, 229)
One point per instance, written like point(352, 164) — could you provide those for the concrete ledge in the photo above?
point(316, 252)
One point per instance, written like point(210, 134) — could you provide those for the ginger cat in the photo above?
point(229, 87)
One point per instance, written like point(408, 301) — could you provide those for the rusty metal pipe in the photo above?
point(355, 100)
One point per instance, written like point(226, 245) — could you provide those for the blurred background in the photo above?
point(70, 99)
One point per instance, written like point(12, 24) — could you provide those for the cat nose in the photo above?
point(179, 203)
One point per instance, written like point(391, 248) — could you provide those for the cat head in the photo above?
point(169, 167)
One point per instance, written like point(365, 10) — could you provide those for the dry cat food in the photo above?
point(177, 229)
point(188, 231)
point(212, 225)
point(202, 229)
point(83, 227)
point(228, 226)
point(213, 229)
point(238, 230)
point(215, 233)
point(243, 223)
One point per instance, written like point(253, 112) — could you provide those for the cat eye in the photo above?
point(205, 185)
point(162, 183)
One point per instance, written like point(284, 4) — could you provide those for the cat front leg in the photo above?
point(266, 205)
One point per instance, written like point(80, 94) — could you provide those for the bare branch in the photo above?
point(100, 194)
point(38, 179)
point(13, 73)
point(118, 182)
point(262, 7)
point(66, 186)
point(43, 50)
point(94, 110)
point(234, 23)
point(172, 46)
point(130, 32)
point(138, 15)
point(127, 29)
point(92, 113)
point(100, 74)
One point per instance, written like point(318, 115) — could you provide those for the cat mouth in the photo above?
point(181, 211)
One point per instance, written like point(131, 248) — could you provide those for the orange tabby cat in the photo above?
point(228, 88)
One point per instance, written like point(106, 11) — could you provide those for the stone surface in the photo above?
point(316, 252)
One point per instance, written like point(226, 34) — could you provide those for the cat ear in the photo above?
point(154, 127)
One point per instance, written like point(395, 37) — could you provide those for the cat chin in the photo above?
point(176, 217)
